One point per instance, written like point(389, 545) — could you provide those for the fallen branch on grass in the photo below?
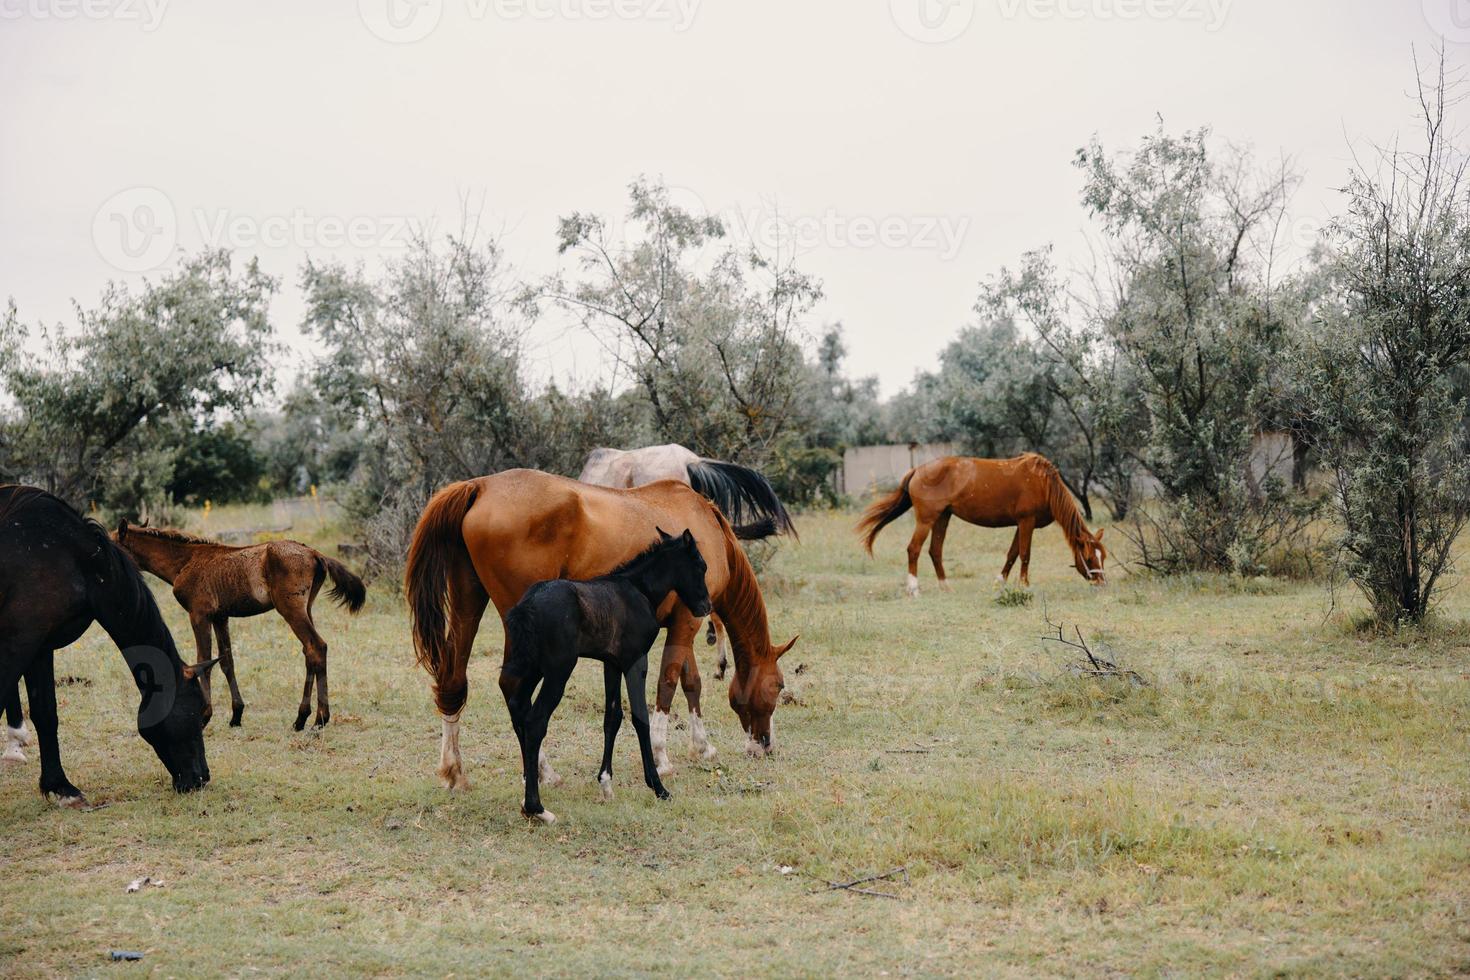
point(852, 886)
point(1095, 666)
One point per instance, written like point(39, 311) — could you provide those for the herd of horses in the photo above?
point(574, 568)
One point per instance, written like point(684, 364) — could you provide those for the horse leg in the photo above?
point(468, 599)
point(916, 547)
point(227, 664)
point(547, 699)
point(1005, 572)
point(41, 689)
point(936, 548)
point(637, 679)
point(16, 735)
point(202, 628)
point(699, 746)
point(314, 652)
point(678, 647)
point(1023, 534)
point(721, 642)
point(323, 705)
point(612, 720)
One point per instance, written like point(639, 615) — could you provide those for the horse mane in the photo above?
point(1064, 509)
point(646, 555)
point(169, 534)
point(740, 605)
point(743, 495)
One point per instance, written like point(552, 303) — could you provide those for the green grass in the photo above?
point(1285, 794)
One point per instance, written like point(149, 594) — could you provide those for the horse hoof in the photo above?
point(321, 722)
point(21, 736)
point(236, 715)
point(604, 786)
point(703, 755)
point(545, 816)
point(299, 724)
point(550, 778)
point(662, 793)
point(68, 801)
point(13, 753)
point(665, 768)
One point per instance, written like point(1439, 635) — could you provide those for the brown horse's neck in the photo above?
point(1064, 510)
point(743, 611)
point(164, 557)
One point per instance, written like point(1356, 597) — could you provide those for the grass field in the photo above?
point(1284, 796)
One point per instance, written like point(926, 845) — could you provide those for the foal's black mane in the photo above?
point(648, 554)
point(128, 603)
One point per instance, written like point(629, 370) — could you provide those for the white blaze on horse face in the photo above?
point(604, 784)
point(658, 737)
point(545, 775)
point(913, 585)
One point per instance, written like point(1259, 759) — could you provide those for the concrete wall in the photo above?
point(869, 468)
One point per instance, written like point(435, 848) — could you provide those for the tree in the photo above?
point(1196, 319)
point(715, 354)
point(93, 410)
point(1098, 420)
point(1381, 374)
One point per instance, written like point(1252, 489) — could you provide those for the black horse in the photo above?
point(612, 618)
point(58, 574)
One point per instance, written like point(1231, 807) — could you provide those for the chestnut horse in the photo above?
point(1025, 492)
point(215, 582)
point(492, 538)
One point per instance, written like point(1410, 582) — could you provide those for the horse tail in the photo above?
point(739, 491)
point(437, 547)
point(756, 531)
point(347, 589)
point(884, 511)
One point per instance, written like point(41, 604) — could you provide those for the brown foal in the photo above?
point(214, 582)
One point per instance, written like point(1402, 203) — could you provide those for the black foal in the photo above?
point(613, 619)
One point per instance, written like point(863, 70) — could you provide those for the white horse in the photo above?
point(753, 510)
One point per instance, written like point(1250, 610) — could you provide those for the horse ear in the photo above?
point(1099, 534)
point(122, 526)
point(687, 537)
point(663, 535)
point(202, 669)
point(786, 646)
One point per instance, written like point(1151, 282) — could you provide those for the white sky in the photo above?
point(294, 120)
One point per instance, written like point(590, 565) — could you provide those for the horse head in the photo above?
point(1089, 555)
point(755, 690)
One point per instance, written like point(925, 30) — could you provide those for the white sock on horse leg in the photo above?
point(20, 736)
point(545, 775)
point(913, 585)
point(604, 784)
point(658, 737)
point(699, 744)
point(451, 766)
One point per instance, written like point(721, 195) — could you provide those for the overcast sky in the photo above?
point(917, 145)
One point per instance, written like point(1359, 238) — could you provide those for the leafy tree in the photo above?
point(715, 354)
point(1381, 374)
point(1196, 320)
point(91, 411)
point(218, 463)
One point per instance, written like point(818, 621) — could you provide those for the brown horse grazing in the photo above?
point(492, 538)
point(214, 582)
point(1025, 492)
